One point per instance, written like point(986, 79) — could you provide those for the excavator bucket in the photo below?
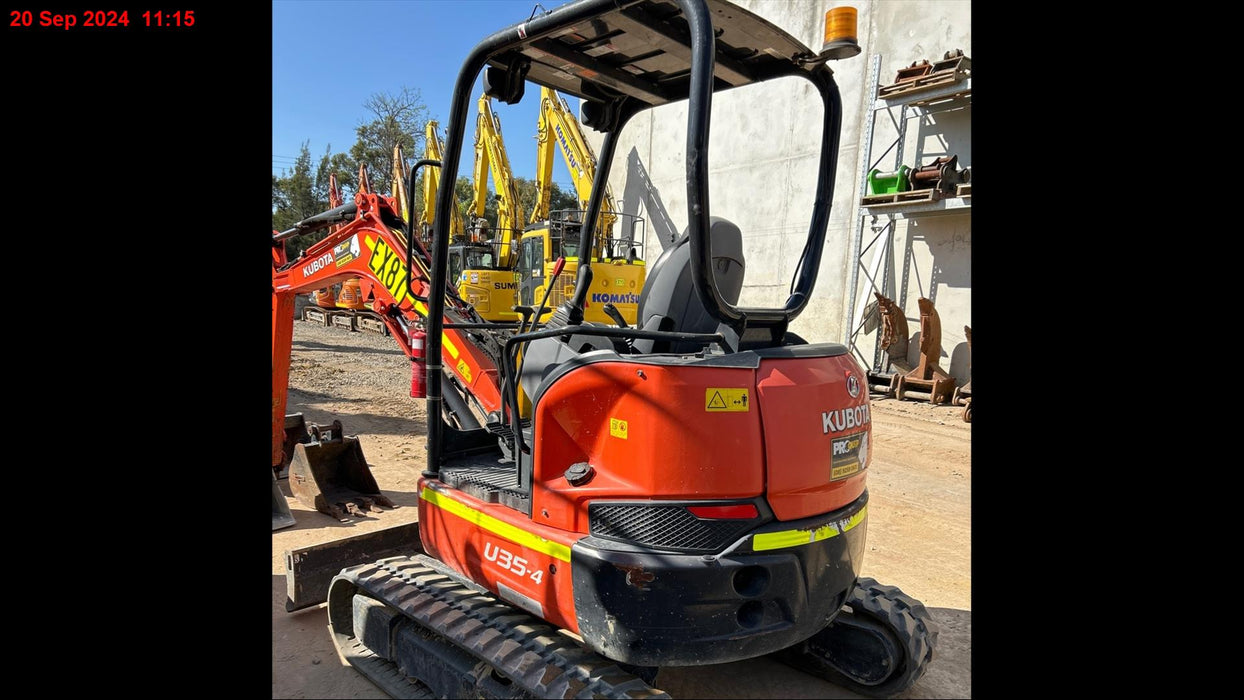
point(894, 341)
point(331, 475)
point(295, 432)
point(963, 394)
point(281, 517)
point(928, 381)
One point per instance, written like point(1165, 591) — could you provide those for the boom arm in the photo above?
point(490, 154)
point(368, 248)
point(432, 182)
point(398, 186)
point(558, 124)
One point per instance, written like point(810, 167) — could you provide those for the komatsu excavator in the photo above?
point(483, 263)
point(688, 491)
point(553, 235)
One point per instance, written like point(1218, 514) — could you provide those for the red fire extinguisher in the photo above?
point(418, 365)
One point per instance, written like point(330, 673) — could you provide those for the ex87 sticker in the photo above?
point(389, 269)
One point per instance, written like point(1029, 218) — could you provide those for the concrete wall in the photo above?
point(763, 152)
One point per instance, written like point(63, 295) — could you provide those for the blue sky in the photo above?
point(329, 56)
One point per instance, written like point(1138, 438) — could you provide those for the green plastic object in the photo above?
point(888, 183)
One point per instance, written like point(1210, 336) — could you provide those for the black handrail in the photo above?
point(410, 225)
point(532, 29)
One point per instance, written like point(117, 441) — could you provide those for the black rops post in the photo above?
point(471, 68)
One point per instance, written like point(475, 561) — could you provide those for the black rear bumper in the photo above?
point(781, 585)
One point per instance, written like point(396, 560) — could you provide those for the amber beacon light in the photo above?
point(840, 37)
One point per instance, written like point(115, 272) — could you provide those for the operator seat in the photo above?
point(668, 301)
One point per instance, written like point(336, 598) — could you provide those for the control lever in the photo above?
point(612, 312)
point(526, 312)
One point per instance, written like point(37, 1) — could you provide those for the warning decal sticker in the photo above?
point(719, 399)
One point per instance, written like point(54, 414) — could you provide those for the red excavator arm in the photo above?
point(368, 248)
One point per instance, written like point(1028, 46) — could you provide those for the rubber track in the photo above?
point(524, 648)
point(908, 618)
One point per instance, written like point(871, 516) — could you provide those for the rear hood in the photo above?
point(817, 424)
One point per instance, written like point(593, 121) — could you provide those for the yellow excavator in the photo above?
point(432, 150)
point(398, 183)
point(474, 262)
point(482, 260)
point(620, 269)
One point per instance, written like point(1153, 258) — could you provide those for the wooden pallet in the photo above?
point(928, 82)
point(895, 198)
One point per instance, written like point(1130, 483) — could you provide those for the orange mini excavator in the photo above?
point(688, 490)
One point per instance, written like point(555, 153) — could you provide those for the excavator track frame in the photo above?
point(491, 646)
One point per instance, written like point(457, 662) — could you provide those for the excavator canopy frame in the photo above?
point(622, 57)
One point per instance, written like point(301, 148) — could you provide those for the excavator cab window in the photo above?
point(455, 264)
point(530, 268)
point(478, 259)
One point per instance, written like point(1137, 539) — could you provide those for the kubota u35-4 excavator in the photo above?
point(689, 491)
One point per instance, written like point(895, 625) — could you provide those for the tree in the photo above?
point(293, 194)
point(397, 119)
point(464, 193)
point(559, 198)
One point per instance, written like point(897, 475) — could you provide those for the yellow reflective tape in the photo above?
point(495, 526)
point(421, 308)
point(449, 345)
point(855, 519)
point(778, 540)
point(795, 538)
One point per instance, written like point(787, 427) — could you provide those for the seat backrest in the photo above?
point(668, 301)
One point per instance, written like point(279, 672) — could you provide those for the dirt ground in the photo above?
point(919, 525)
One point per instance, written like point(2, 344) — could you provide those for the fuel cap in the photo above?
point(579, 473)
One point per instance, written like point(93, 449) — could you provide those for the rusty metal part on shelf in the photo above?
point(953, 63)
point(953, 68)
point(928, 380)
point(915, 70)
point(942, 174)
